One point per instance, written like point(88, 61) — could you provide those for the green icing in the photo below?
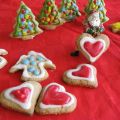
point(95, 30)
point(69, 9)
point(49, 14)
point(99, 5)
point(25, 22)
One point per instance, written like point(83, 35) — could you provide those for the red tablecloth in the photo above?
point(102, 103)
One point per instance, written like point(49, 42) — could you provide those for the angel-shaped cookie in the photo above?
point(33, 66)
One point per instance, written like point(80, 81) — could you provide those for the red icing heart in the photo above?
point(52, 96)
point(83, 72)
point(93, 48)
point(21, 94)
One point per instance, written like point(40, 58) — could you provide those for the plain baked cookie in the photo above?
point(55, 100)
point(34, 66)
point(82, 75)
point(3, 61)
point(21, 98)
point(92, 48)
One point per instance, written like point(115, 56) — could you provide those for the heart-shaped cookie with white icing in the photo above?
point(55, 100)
point(91, 47)
point(83, 75)
point(21, 98)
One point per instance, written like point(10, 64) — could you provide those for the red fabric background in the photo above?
point(102, 103)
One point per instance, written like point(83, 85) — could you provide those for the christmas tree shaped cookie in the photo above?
point(97, 5)
point(49, 17)
point(69, 10)
point(26, 26)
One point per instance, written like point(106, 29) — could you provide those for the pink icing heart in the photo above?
point(52, 96)
point(93, 48)
point(21, 94)
point(83, 72)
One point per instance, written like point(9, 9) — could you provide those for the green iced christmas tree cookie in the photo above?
point(97, 5)
point(26, 26)
point(49, 17)
point(69, 10)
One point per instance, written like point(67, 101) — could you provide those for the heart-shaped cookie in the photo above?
point(21, 98)
point(91, 47)
point(55, 100)
point(83, 75)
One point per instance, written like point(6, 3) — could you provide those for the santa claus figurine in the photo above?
point(93, 24)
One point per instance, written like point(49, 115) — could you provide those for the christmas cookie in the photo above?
point(3, 61)
point(97, 5)
point(33, 66)
point(55, 100)
point(115, 27)
point(83, 75)
point(91, 47)
point(69, 10)
point(49, 17)
point(21, 98)
point(26, 27)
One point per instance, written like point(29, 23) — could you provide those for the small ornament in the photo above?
point(69, 10)
point(115, 27)
point(93, 24)
point(49, 17)
point(26, 26)
point(75, 53)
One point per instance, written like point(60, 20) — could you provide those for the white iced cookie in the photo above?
point(3, 61)
point(55, 100)
point(92, 47)
point(82, 75)
point(21, 98)
point(34, 66)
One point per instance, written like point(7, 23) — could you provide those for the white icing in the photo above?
point(94, 19)
point(25, 105)
point(3, 52)
point(92, 40)
point(20, 66)
point(3, 62)
point(61, 89)
point(71, 76)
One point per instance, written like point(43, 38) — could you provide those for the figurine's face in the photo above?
point(94, 19)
